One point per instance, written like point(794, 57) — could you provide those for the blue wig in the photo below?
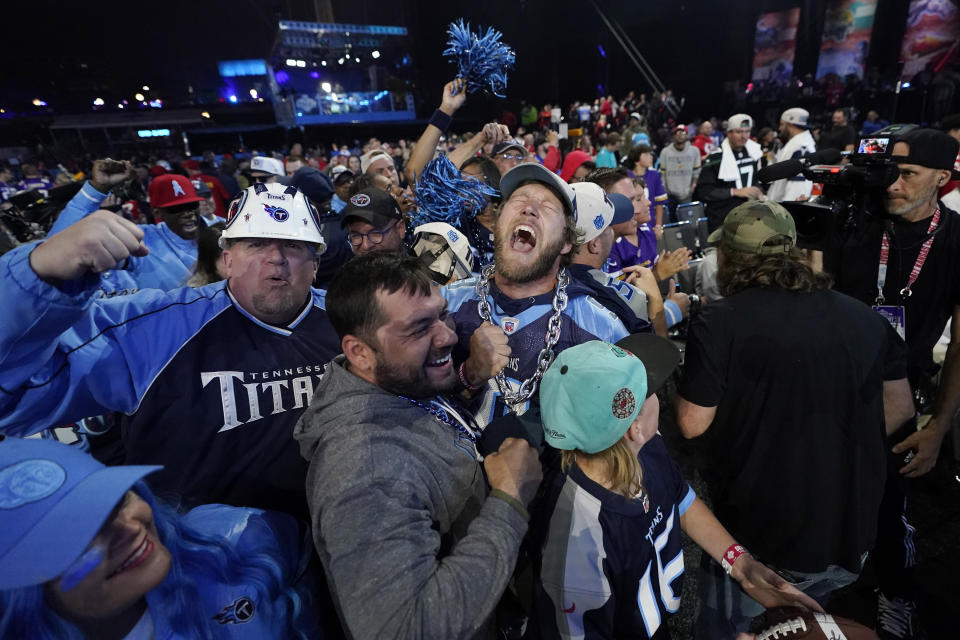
point(482, 60)
point(24, 612)
point(444, 195)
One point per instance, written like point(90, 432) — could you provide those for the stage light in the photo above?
point(233, 99)
point(291, 63)
point(324, 63)
point(282, 77)
point(340, 61)
point(119, 105)
point(145, 88)
point(138, 97)
point(357, 59)
point(204, 114)
point(301, 63)
point(905, 85)
point(315, 75)
point(156, 104)
point(603, 54)
point(326, 87)
point(37, 102)
point(253, 94)
point(98, 102)
point(375, 55)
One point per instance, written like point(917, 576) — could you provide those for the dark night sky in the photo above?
point(694, 45)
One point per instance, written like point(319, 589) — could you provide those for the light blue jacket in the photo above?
point(168, 266)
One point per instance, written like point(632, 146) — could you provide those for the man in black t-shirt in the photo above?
point(915, 219)
point(728, 175)
point(919, 275)
point(840, 136)
point(786, 384)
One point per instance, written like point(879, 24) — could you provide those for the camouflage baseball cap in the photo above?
point(757, 227)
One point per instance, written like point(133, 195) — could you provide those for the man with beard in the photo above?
point(212, 380)
point(413, 542)
point(797, 143)
point(907, 264)
point(527, 293)
point(172, 243)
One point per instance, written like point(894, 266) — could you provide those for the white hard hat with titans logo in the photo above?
point(273, 211)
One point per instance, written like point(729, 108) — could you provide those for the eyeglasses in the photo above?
point(375, 236)
point(515, 157)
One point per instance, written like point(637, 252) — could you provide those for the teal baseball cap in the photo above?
point(592, 392)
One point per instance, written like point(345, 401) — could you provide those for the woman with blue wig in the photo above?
point(86, 551)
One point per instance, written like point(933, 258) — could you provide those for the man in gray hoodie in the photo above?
point(413, 542)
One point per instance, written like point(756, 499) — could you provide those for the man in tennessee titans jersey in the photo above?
point(212, 380)
point(536, 233)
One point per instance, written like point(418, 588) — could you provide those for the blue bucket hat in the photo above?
point(53, 500)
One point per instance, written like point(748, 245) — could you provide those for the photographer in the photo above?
point(906, 262)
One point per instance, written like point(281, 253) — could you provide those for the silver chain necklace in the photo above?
point(529, 386)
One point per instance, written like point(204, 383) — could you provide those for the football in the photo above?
point(789, 623)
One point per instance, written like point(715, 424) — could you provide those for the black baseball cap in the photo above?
point(314, 183)
point(930, 148)
point(372, 205)
point(508, 144)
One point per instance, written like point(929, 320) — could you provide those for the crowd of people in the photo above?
point(276, 398)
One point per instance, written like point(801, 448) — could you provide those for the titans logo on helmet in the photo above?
point(237, 612)
point(277, 213)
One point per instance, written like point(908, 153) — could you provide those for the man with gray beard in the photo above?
point(527, 294)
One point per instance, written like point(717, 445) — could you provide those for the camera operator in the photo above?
point(906, 262)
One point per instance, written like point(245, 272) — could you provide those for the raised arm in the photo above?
point(50, 360)
point(105, 175)
point(427, 144)
point(492, 133)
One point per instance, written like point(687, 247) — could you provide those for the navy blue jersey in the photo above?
point(525, 322)
point(625, 300)
point(613, 567)
point(208, 391)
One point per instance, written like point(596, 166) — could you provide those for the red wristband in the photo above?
point(730, 556)
point(462, 374)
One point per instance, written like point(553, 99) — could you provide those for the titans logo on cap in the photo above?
point(277, 213)
point(29, 481)
point(360, 200)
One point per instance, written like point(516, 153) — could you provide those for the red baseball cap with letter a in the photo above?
point(171, 189)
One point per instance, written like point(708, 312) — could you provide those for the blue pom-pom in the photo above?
point(444, 195)
point(482, 60)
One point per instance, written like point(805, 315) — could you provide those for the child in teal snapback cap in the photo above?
point(612, 562)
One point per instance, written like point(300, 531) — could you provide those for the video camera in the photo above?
point(850, 191)
point(29, 215)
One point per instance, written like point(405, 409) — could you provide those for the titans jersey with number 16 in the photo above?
point(613, 567)
point(525, 322)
